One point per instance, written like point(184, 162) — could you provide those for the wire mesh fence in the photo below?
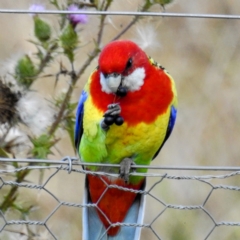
point(200, 206)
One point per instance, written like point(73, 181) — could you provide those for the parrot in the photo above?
point(125, 114)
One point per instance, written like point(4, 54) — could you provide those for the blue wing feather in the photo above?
point(171, 123)
point(79, 119)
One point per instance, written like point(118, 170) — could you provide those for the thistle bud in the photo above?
point(25, 71)
point(42, 29)
point(69, 41)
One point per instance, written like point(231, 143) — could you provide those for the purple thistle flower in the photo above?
point(76, 18)
point(35, 8)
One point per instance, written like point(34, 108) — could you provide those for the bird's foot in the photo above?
point(114, 109)
point(112, 116)
point(125, 166)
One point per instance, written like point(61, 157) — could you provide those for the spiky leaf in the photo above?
point(42, 146)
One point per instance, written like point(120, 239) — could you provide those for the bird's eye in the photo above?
point(129, 64)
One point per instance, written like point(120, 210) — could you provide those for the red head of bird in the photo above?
point(122, 67)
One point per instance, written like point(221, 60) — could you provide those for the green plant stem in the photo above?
point(102, 20)
point(47, 58)
point(12, 194)
point(63, 106)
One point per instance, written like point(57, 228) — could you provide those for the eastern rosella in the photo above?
point(125, 114)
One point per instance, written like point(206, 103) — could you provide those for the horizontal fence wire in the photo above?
point(160, 175)
point(126, 13)
point(72, 165)
point(75, 161)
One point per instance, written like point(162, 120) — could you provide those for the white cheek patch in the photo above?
point(110, 84)
point(104, 85)
point(113, 82)
point(135, 80)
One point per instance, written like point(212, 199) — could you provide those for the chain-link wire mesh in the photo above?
point(194, 206)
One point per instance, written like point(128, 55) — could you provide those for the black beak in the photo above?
point(121, 91)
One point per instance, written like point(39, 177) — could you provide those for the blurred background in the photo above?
point(203, 57)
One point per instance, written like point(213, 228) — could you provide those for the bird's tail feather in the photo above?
point(93, 229)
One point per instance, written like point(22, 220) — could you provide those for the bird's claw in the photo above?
point(125, 166)
point(112, 116)
point(114, 109)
